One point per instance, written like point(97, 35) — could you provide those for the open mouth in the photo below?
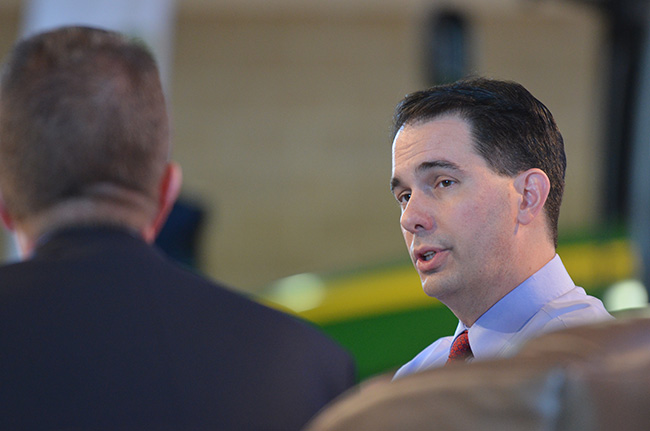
point(428, 255)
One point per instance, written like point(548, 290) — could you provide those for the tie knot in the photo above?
point(460, 349)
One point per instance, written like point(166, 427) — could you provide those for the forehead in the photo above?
point(443, 138)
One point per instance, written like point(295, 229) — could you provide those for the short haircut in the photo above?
point(80, 108)
point(511, 129)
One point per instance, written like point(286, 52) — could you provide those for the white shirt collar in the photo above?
point(491, 333)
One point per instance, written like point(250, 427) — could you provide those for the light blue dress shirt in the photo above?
point(547, 301)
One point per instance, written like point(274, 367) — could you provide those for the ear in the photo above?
point(169, 189)
point(533, 187)
point(7, 220)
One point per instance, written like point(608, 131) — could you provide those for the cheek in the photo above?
point(483, 214)
point(471, 212)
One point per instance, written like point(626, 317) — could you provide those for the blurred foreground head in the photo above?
point(84, 134)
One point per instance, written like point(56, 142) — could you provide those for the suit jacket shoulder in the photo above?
point(100, 330)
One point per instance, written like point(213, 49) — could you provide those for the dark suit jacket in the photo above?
point(99, 331)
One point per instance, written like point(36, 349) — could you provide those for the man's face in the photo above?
point(458, 216)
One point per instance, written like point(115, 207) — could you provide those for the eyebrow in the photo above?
point(426, 166)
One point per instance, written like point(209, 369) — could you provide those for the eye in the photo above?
point(403, 198)
point(445, 183)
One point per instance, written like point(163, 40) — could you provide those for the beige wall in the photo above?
point(282, 126)
point(281, 121)
point(9, 20)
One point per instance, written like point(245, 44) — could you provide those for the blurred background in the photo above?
point(281, 113)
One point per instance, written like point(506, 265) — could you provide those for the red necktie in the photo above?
point(460, 349)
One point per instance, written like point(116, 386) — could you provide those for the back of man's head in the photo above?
point(83, 127)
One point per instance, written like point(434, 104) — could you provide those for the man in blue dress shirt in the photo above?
point(478, 171)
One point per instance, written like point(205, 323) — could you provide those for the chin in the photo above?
point(437, 288)
point(431, 289)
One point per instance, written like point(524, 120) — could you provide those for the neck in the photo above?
point(129, 211)
point(476, 302)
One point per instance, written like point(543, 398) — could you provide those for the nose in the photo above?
point(417, 215)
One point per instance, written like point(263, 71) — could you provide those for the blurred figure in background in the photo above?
point(478, 170)
point(98, 329)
